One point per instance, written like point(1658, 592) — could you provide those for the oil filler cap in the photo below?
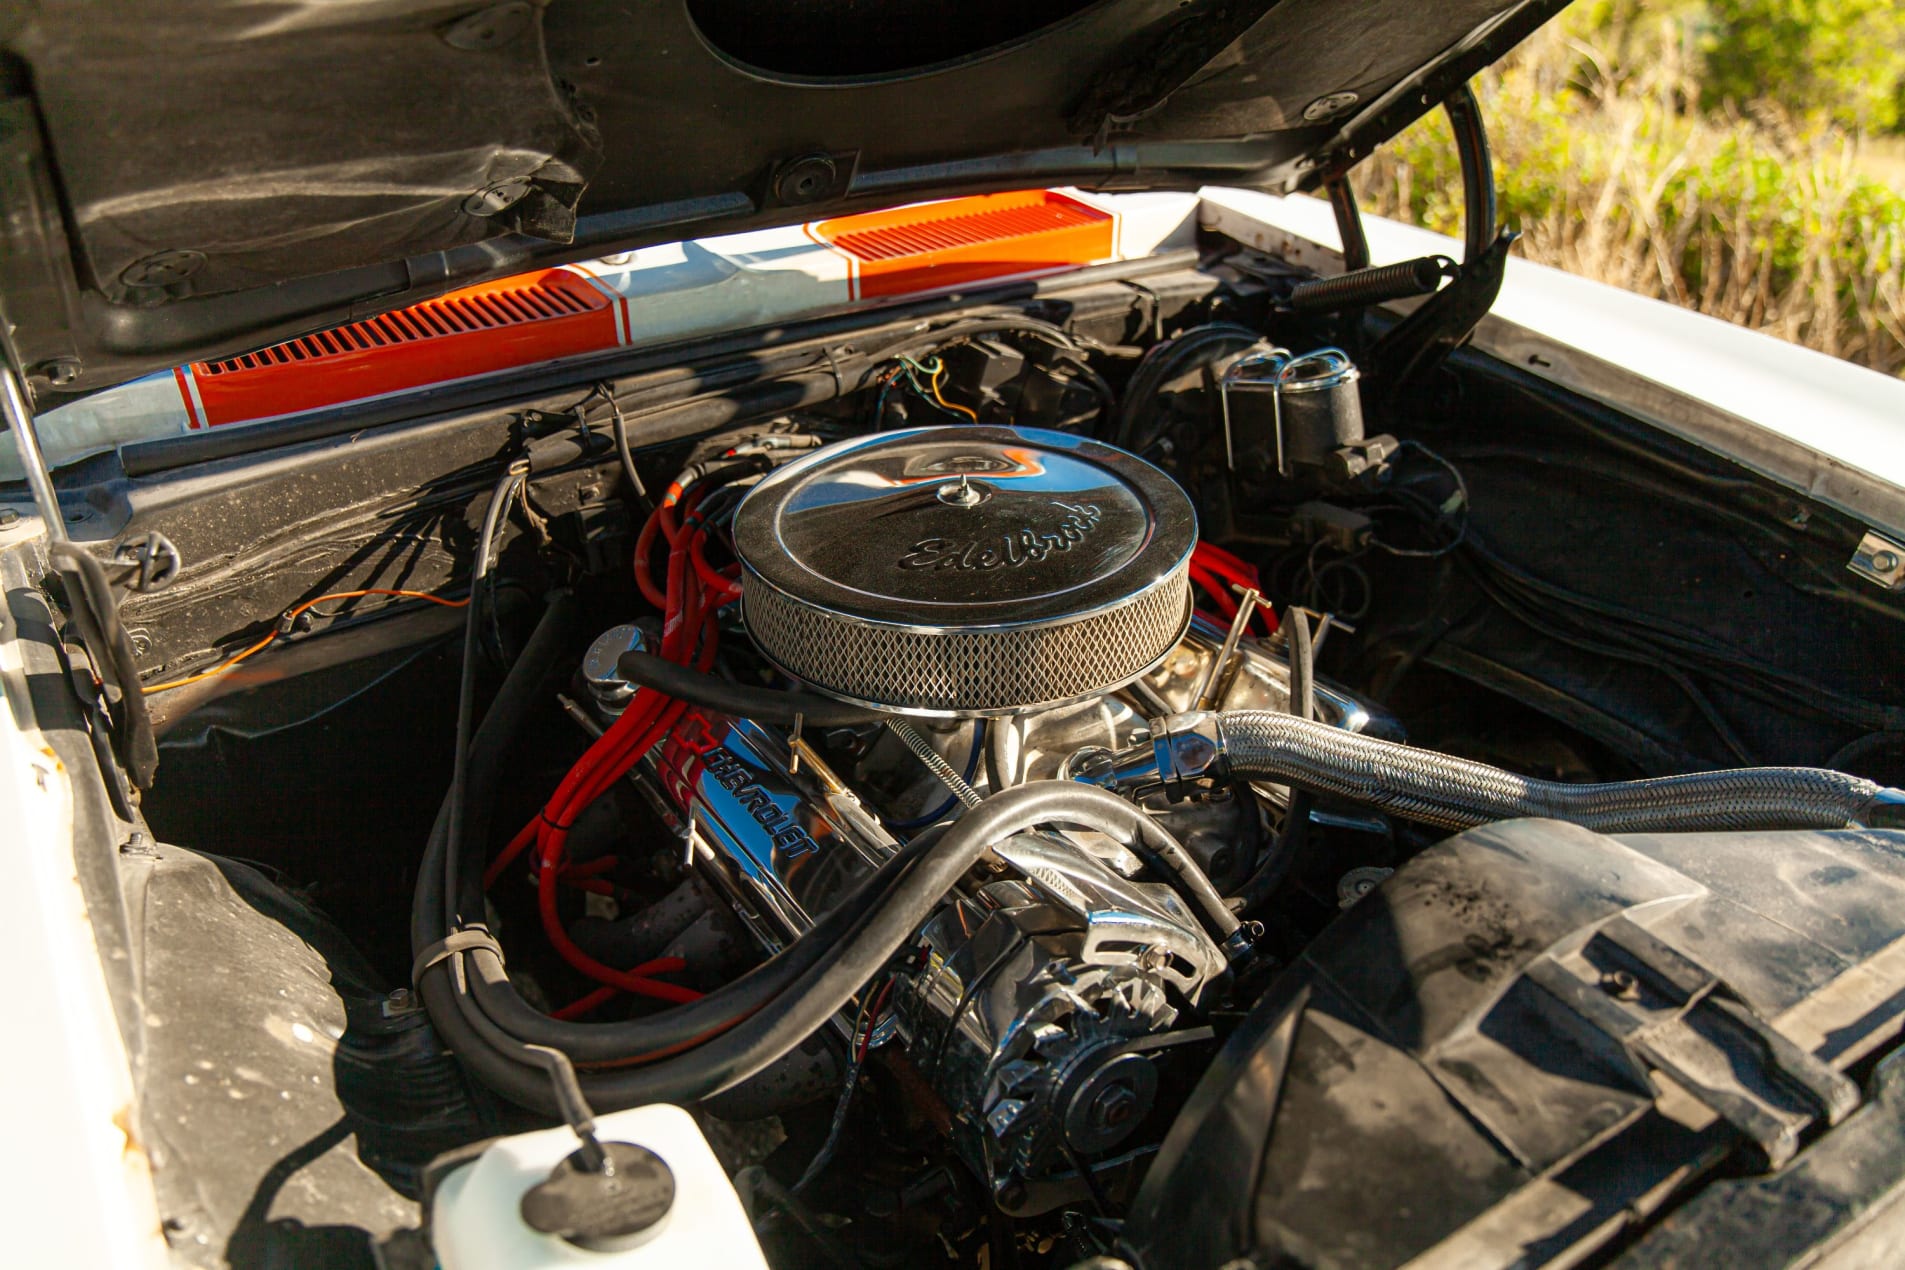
point(606, 1210)
point(965, 570)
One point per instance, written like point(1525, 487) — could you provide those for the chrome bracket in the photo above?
point(1879, 559)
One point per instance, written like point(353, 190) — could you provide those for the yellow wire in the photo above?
point(938, 374)
point(291, 616)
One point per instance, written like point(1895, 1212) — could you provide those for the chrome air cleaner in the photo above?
point(965, 570)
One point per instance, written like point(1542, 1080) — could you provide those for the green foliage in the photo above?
point(1602, 164)
point(1843, 60)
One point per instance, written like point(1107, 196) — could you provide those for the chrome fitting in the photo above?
point(1188, 748)
point(1885, 811)
point(1184, 749)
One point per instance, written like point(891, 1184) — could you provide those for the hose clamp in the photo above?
point(1184, 749)
point(1189, 748)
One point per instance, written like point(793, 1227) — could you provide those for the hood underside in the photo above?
point(185, 179)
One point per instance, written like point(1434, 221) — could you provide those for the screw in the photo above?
point(9, 518)
point(492, 199)
point(1884, 561)
point(61, 371)
point(1113, 1106)
point(137, 844)
point(1621, 984)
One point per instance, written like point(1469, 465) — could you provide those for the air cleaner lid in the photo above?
point(965, 528)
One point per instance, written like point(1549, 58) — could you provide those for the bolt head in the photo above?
point(1885, 561)
point(60, 372)
point(1620, 983)
point(1114, 1105)
point(1329, 107)
point(163, 269)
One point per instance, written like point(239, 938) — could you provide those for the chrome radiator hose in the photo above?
point(1456, 793)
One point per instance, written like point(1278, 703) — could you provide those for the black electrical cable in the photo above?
point(764, 705)
point(1072, 350)
point(1863, 748)
point(1608, 629)
point(972, 990)
point(1435, 514)
point(1666, 639)
point(837, 1125)
point(1542, 622)
point(506, 487)
point(958, 332)
point(1162, 363)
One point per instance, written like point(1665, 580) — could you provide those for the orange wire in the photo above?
point(292, 615)
point(950, 405)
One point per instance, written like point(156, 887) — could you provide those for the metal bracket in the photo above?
point(1670, 1015)
point(1126, 922)
point(1879, 559)
point(149, 564)
point(1442, 323)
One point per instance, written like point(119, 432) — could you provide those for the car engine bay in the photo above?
point(1126, 768)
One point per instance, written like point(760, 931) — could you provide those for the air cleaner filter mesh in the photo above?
point(970, 570)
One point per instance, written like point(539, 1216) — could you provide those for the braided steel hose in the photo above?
point(1456, 793)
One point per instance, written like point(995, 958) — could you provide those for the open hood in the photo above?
point(185, 179)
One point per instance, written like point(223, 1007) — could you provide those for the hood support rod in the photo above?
point(32, 459)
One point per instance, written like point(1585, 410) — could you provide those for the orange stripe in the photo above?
point(964, 240)
point(520, 321)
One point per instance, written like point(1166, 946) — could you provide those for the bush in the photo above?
point(1842, 60)
point(1609, 175)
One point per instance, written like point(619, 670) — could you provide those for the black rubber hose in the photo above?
point(683, 1025)
point(505, 1059)
point(764, 705)
point(90, 600)
point(619, 422)
point(1302, 664)
point(522, 690)
point(825, 990)
point(1281, 856)
point(459, 797)
point(502, 723)
point(820, 993)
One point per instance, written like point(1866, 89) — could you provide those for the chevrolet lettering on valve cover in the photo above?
point(690, 633)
